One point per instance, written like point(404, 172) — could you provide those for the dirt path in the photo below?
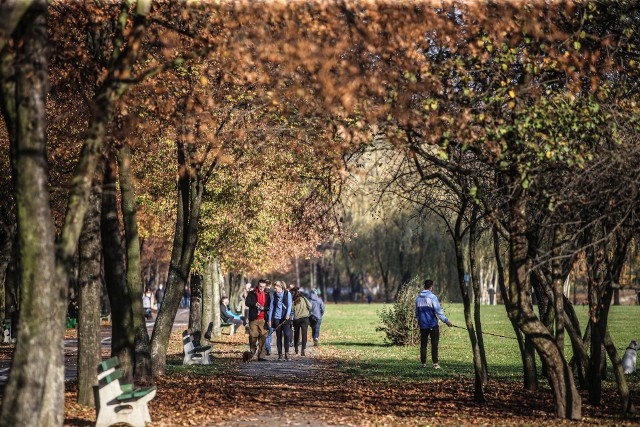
point(287, 394)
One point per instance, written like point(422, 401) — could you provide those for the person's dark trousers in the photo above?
point(300, 325)
point(283, 333)
point(434, 333)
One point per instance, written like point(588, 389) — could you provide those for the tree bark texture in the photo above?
point(567, 399)
point(529, 371)
point(90, 285)
point(195, 310)
point(33, 395)
point(475, 282)
point(466, 299)
point(207, 295)
point(184, 243)
point(218, 283)
point(122, 325)
point(142, 349)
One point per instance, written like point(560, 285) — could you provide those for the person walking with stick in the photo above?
point(427, 312)
point(279, 318)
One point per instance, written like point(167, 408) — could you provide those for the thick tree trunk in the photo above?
point(6, 254)
point(90, 285)
point(33, 395)
point(142, 349)
point(122, 324)
point(567, 399)
point(195, 311)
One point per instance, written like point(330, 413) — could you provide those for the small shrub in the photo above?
point(399, 322)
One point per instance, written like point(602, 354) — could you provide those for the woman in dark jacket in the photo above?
point(301, 312)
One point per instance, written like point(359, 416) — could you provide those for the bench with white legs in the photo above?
point(6, 330)
point(194, 355)
point(120, 403)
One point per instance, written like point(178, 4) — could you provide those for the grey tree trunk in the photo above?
point(195, 311)
point(90, 285)
point(207, 296)
point(218, 283)
point(142, 349)
point(12, 283)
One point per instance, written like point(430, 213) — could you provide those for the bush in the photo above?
point(399, 322)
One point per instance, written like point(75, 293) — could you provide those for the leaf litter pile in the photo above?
point(315, 393)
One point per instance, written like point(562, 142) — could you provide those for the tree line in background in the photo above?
point(225, 131)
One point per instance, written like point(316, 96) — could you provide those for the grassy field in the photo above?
point(350, 329)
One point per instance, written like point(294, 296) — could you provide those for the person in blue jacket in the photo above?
point(280, 317)
point(427, 308)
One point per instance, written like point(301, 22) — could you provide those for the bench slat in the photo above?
point(115, 375)
point(135, 394)
point(108, 364)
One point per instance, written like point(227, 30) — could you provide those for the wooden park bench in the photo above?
point(195, 355)
point(120, 403)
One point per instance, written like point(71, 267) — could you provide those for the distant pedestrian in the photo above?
point(427, 312)
point(492, 294)
point(258, 302)
point(241, 307)
point(301, 312)
point(269, 291)
point(186, 297)
point(159, 296)
point(369, 298)
point(336, 295)
point(146, 304)
point(315, 316)
point(280, 318)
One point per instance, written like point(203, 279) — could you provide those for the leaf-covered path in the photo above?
point(315, 391)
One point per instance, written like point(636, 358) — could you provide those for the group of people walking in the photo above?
point(282, 311)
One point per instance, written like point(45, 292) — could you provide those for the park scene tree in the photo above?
point(353, 149)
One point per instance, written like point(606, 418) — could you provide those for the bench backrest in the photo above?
point(109, 386)
point(187, 343)
point(107, 367)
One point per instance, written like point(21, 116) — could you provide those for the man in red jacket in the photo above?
point(258, 302)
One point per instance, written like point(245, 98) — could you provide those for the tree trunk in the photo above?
point(207, 296)
point(195, 311)
point(90, 284)
point(466, 299)
point(529, 371)
point(477, 297)
point(33, 395)
point(122, 323)
point(217, 280)
point(185, 238)
point(6, 254)
point(567, 399)
point(142, 348)
point(12, 281)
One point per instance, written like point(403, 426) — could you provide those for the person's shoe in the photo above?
point(315, 342)
point(424, 365)
point(279, 357)
point(268, 352)
point(302, 353)
point(286, 356)
point(436, 366)
point(296, 351)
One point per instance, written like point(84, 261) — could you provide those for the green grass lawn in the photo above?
point(350, 329)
